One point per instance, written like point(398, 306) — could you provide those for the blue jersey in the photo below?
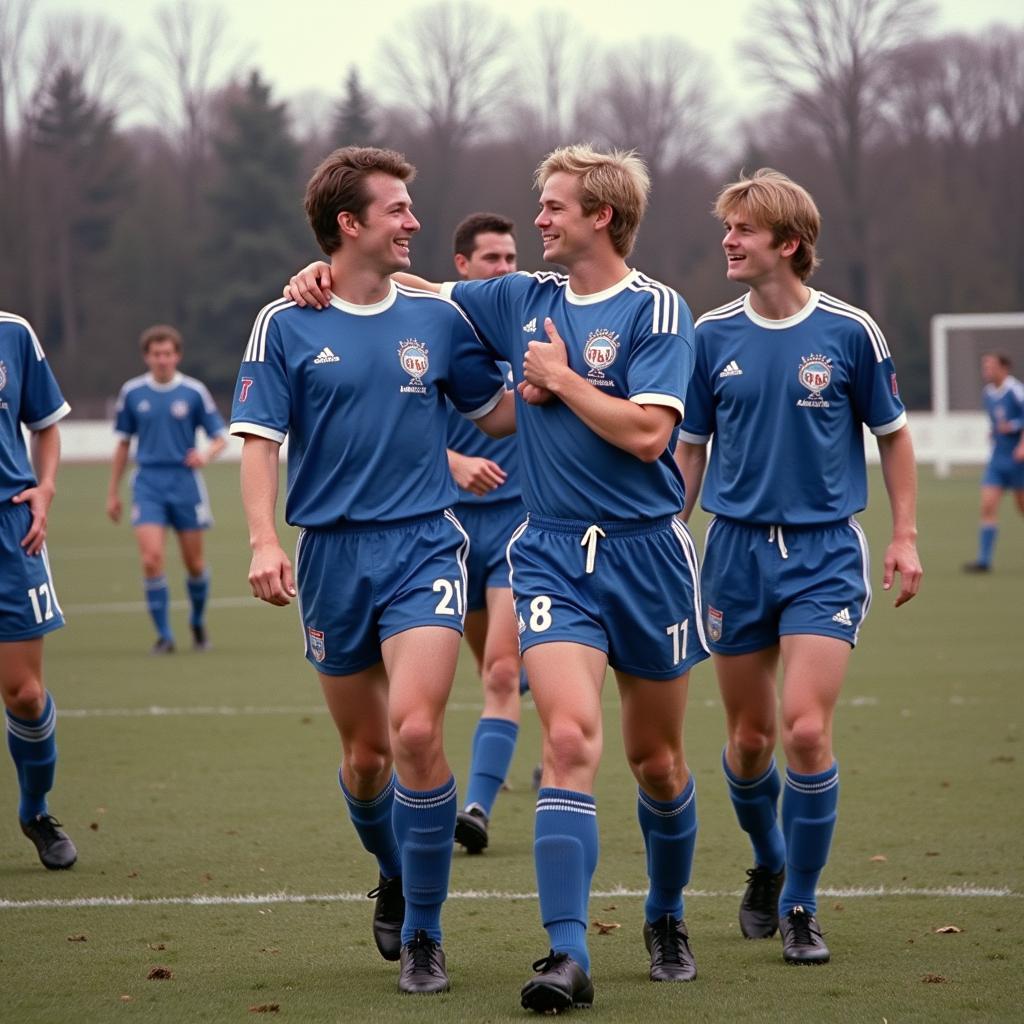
point(466, 439)
point(786, 401)
point(634, 341)
point(360, 393)
point(165, 417)
point(1005, 405)
point(29, 395)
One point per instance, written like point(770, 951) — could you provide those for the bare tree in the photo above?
point(14, 21)
point(654, 99)
point(831, 61)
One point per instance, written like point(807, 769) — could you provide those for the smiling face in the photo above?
point(752, 256)
point(493, 255)
point(383, 232)
point(566, 232)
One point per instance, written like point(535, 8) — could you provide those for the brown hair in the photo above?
point(159, 332)
point(464, 242)
point(778, 203)
point(618, 179)
point(338, 185)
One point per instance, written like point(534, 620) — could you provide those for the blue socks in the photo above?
point(670, 833)
point(33, 746)
point(808, 821)
point(198, 591)
point(986, 544)
point(494, 743)
point(565, 851)
point(158, 601)
point(372, 821)
point(755, 802)
point(424, 824)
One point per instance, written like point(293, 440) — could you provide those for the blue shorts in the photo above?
point(762, 582)
point(1005, 473)
point(640, 604)
point(173, 496)
point(28, 602)
point(489, 527)
point(362, 583)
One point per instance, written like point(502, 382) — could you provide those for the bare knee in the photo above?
point(807, 741)
point(660, 772)
point(25, 698)
point(152, 564)
point(569, 747)
point(418, 738)
point(751, 747)
point(501, 678)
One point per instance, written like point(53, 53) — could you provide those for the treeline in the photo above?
point(912, 143)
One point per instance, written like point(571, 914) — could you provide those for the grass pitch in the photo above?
point(202, 794)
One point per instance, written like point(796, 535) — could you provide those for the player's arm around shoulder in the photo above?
point(899, 470)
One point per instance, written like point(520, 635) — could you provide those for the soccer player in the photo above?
point(359, 390)
point(784, 379)
point(602, 572)
point(29, 608)
point(163, 408)
point(490, 507)
point(1003, 396)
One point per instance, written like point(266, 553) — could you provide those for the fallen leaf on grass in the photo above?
point(133, 874)
point(94, 825)
point(156, 945)
point(948, 929)
point(269, 949)
point(838, 906)
point(159, 974)
point(933, 979)
point(1003, 759)
point(207, 877)
point(931, 853)
point(879, 858)
point(265, 1008)
point(127, 998)
point(612, 907)
point(77, 938)
point(605, 927)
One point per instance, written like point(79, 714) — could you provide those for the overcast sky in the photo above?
point(303, 46)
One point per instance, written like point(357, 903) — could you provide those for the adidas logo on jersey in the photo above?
point(530, 326)
point(732, 370)
point(843, 617)
point(326, 356)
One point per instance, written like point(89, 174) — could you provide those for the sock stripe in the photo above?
point(737, 783)
point(38, 733)
point(156, 583)
point(384, 794)
point(817, 786)
point(674, 811)
point(433, 798)
point(569, 806)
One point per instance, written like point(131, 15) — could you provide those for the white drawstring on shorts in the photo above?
point(589, 542)
point(775, 537)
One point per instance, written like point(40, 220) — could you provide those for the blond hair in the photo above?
point(618, 179)
point(778, 203)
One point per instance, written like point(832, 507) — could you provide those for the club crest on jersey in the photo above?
point(143, 406)
point(815, 374)
point(415, 360)
point(317, 646)
point(599, 352)
point(714, 623)
point(179, 409)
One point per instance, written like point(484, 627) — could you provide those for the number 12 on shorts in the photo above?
point(680, 633)
point(38, 594)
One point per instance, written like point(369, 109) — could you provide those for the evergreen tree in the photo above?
point(354, 123)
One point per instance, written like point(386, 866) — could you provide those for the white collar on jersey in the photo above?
point(790, 321)
point(586, 300)
point(371, 310)
point(169, 386)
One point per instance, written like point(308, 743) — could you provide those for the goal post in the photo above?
point(957, 343)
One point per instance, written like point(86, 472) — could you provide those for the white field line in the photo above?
point(266, 899)
point(109, 607)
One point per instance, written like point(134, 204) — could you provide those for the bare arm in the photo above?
point(270, 572)
point(641, 430)
point(45, 458)
point(691, 460)
point(117, 468)
point(197, 459)
point(501, 420)
point(474, 474)
point(311, 286)
point(899, 471)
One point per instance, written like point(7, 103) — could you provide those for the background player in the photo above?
point(603, 573)
point(490, 507)
point(163, 409)
point(784, 379)
point(29, 608)
point(356, 389)
point(1003, 396)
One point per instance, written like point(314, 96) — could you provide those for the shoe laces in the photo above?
point(421, 949)
point(670, 939)
point(47, 824)
point(546, 963)
point(760, 881)
point(804, 933)
point(388, 891)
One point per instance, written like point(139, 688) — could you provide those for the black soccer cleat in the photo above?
point(668, 942)
point(471, 829)
point(759, 908)
point(200, 641)
point(55, 849)
point(976, 567)
point(388, 915)
point(423, 970)
point(801, 939)
point(163, 645)
point(560, 984)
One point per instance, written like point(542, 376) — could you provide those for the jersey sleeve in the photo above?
point(475, 382)
point(125, 423)
point(876, 396)
point(262, 401)
point(492, 307)
point(1015, 406)
point(209, 416)
point(42, 403)
point(661, 355)
point(699, 417)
